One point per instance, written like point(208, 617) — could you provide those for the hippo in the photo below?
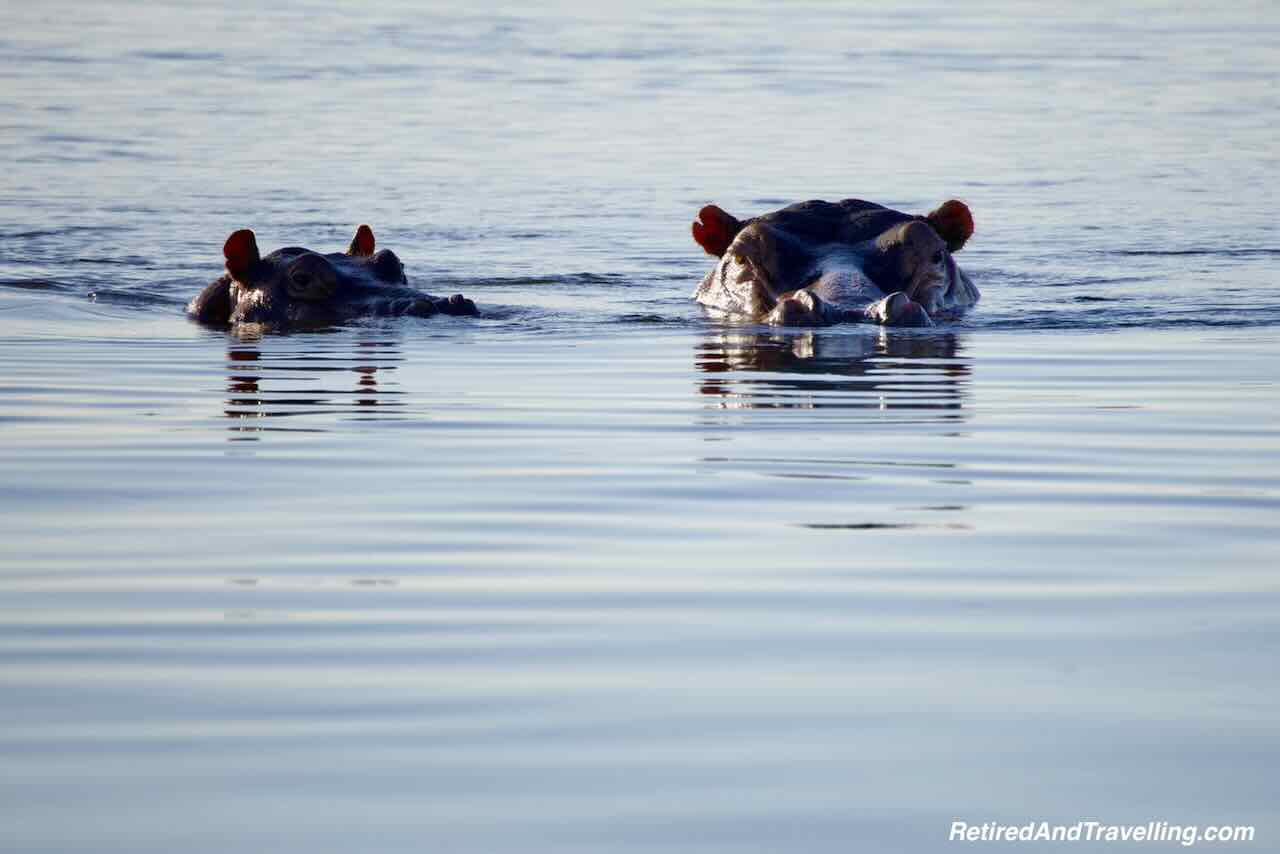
point(297, 287)
point(816, 263)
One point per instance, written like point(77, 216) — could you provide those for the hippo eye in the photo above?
point(300, 278)
point(937, 257)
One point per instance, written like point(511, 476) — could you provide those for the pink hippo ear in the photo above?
point(714, 230)
point(362, 244)
point(953, 222)
point(241, 252)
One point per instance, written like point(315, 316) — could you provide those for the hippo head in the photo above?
point(820, 262)
point(293, 284)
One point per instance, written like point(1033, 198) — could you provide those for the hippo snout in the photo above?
point(460, 305)
point(904, 311)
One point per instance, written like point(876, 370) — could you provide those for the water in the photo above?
point(595, 572)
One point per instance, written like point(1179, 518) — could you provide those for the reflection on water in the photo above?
point(835, 369)
point(308, 375)
point(544, 591)
point(837, 420)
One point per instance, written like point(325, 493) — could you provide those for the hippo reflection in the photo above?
point(271, 386)
point(823, 262)
point(752, 369)
point(297, 287)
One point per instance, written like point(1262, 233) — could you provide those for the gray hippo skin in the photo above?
point(818, 262)
point(297, 287)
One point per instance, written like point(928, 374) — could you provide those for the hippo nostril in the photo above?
point(897, 303)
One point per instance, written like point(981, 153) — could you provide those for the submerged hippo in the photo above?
point(295, 286)
point(823, 262)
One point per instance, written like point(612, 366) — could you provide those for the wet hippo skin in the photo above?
point(297, 287)
point(818, 262)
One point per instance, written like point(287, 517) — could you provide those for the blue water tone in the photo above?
point(596, 572)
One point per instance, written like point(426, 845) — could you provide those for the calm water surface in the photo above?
point(595, 572)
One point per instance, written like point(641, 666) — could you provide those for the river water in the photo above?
point(596, 572)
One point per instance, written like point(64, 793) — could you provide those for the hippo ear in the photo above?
point(241, 252)
point(714, 230)
point(953, 222)
point(362, 244)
